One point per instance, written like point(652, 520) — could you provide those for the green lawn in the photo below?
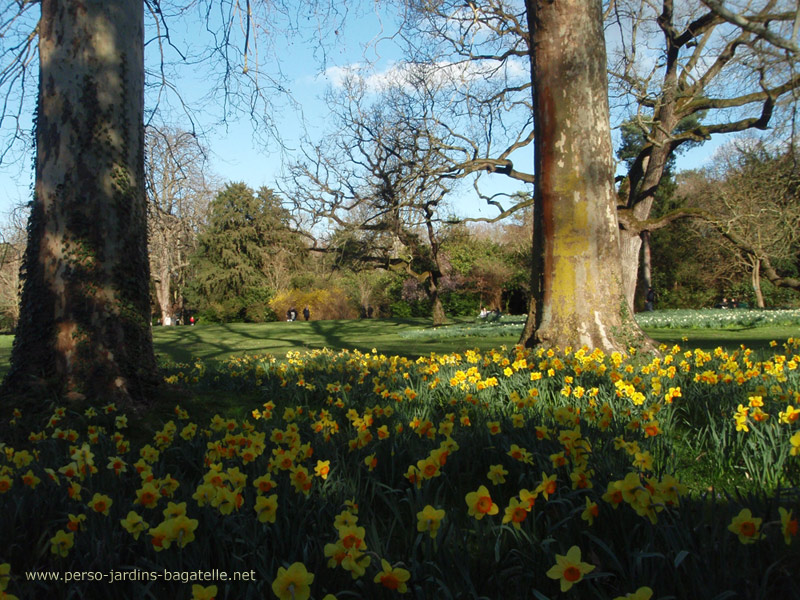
point(217, 342)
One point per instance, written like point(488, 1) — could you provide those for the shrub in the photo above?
point(324, 303)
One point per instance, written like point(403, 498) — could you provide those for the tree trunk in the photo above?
point(755, 277)
point(85, 311)
point(439, 316)
point(647, 262)
point(578, 284)
point(164, 292)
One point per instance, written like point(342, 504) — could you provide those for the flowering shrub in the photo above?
point(506, 474)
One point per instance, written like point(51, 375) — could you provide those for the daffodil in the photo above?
point(134, 524)
point(264, 484)
point(746, 527)
point(61, 542)
point(322, 469)
point(643, 593)
point(569, 569)
point(352, 537)
point(548, 485)
point(788, 525)
point(30, 479)
point(393, 578)
point(293, 583)
point(795, 442)
point(346, 518)
point(203, 593)
point(429, 519)
point(590, 512)
point(147, 495)
point(266, 508)
point(100, 503)
point(516, 512)
point(480, 503)
point(181, 529)
point(497, 474)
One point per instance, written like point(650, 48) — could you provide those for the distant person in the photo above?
point(306, 313)
point(650, 299)
point(191, 320)
point(734, 303)
point(291, 314)
point(723, 304)
point(484, 313)
point(369, 312)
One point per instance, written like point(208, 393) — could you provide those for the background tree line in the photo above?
point(228, 253)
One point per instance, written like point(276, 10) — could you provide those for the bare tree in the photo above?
point(475, 60)
point(380, 182)
point(751, 197)
point(682, 72)
point(12, 248)
point(179, 187)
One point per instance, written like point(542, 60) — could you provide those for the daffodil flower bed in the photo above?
point(507, 474)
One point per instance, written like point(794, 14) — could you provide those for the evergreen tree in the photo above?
point(246, 234)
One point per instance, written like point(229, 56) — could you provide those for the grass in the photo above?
point(403, 337)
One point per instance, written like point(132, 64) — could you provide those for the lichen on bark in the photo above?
point(577, 276)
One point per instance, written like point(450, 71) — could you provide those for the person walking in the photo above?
point(650, 299)
point(306, 313)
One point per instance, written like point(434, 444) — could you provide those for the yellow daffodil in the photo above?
point(590, 512)
point(134, 524)
point(516, 512)
point(100, 503)
point(181, 529)
point(147, 495)
point(61, 542)
point(795, 442)
point(203, 593)
point(746, 527)
point(264, 484)
point(393, 578)
point(480, 503)
point(643, 593)
point(497, 474)
point(569, 569)
point(266, 508)
point(429, 519)
point(788, 525)
point(548, 485)
point(30, 479)
point(352, 537)
point(293, 583)
point(322, 469)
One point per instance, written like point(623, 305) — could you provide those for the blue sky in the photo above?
point(238, 156)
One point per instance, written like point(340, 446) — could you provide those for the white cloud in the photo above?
point(440, 73)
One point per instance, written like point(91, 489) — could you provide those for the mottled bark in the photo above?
point(755, 278)
point(577, 274)
point(647, 261)
point(85, 311)
point(164, 292)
